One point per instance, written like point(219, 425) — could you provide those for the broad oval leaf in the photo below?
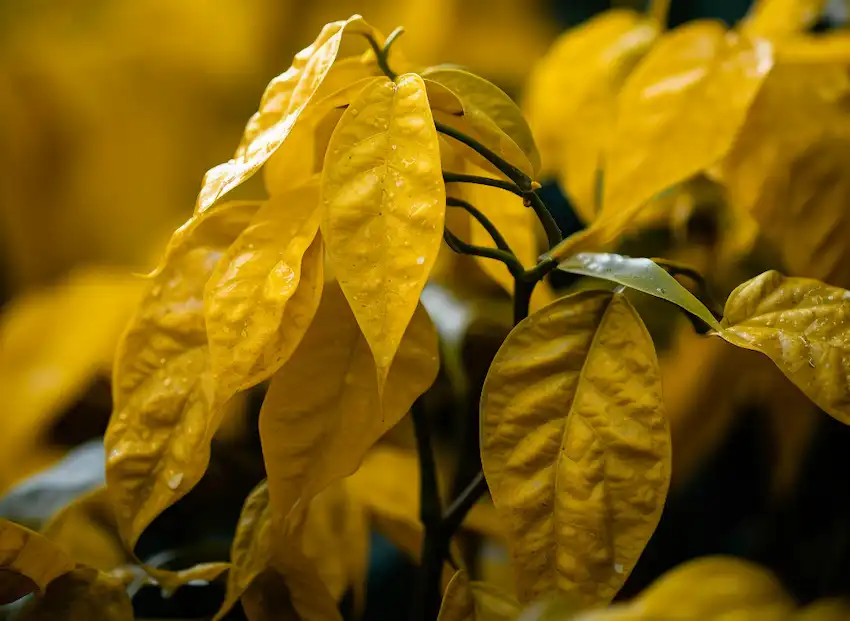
point(480, 97)
point(575, 446)
point(384, 205)
point(803, 326)
point(323, 410)
point(284, 100)
point(28, 561)
point(158, 439)
point(777, 19)
point(264, 292)
point(476, 601)
point(84, 593)
point(571, 97)
point(663, 134)
point(640, 274)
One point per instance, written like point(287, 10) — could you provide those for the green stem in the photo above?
point(461, 247)
point(484, 221)
point(450, 177)
point(553, 231)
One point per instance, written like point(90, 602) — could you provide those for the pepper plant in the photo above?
point(372, 166)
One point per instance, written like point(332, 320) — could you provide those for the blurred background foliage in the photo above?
point(110, 113)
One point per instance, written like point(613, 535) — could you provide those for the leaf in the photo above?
point(640, 274)
point(575, 446)
point(28, 561)
point(158, 439)
point(663, 134)
point(323, 410)
point(285, 99)
point(81, 594)
point(570, 100)
point(833, 609)
point(476, 601)
point(486, 105)
point(264, 291)
point(712, 588)
point(384, 204)
point(777, 19)
point(803, 326)
point(53, 343)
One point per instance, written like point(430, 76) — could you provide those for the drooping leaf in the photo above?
point(81, 594)
point(575, 445)
point(476, 601)
point(486, 105)
point(664, 131)
point(803, 326)
point(384, 204)
point(264, 291)
point(53, 343)
point(285, 99)
point(323, 410)
point(776, 19)
point(641, 274)
point(28, 561)
point(157, 442)
point(570, 100)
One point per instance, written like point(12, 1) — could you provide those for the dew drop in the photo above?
point(420, 260)
point(175, 481)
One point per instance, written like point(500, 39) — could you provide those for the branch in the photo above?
point(498, 239)
point(450, 177)
point(509, 170)
point(553, 231)
point(461, 247)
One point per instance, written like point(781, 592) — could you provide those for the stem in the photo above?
point(553, 231)
point(484, 221)
point(522, 298)
point(431, 507)
point(509, 170)
point(450, 177)
point(659, 11)
point(453, 517)
point(461, 247)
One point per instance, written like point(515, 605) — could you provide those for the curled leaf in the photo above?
point(575, 445)
point(384, 204)
point(803, 326)
point(81, 594)
point(28, 561)
point(158, 440)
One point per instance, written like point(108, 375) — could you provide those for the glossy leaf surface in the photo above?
point(264, 291)
point(157, 442)
point(803, 326)
point(28, 561)
point(81, 594)
point(323, 410)
point(640, 274)
point(384, 205)
point(575, 446)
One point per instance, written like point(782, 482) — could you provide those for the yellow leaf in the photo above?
point(158, 439)
point(87, 531)
point(803, 326)
point(476, 601)
point(678, 114)
point(323, 410)
point(81, 594)
point(264, 291)
point(570, 100)
point(285, 99)
point(485, 105)
point(28, 561)
point(823, 610)
point(575, 445)
point(781, 18)
point(712, 588)
point(384, 205)
point(640, 274)
point(52, 346)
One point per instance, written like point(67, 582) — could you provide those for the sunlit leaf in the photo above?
point(285, 99)
point(323, 410)
point(781, 18)
point(575, 445)
point(81, 594)
point(640, 274)
point(475, 601)
point(803, 326)
point(384, 205)
point(264, 291)
point(28, 561)
point(485, 105)
point(571, 97)
point(678, 113)
point(157, 442)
